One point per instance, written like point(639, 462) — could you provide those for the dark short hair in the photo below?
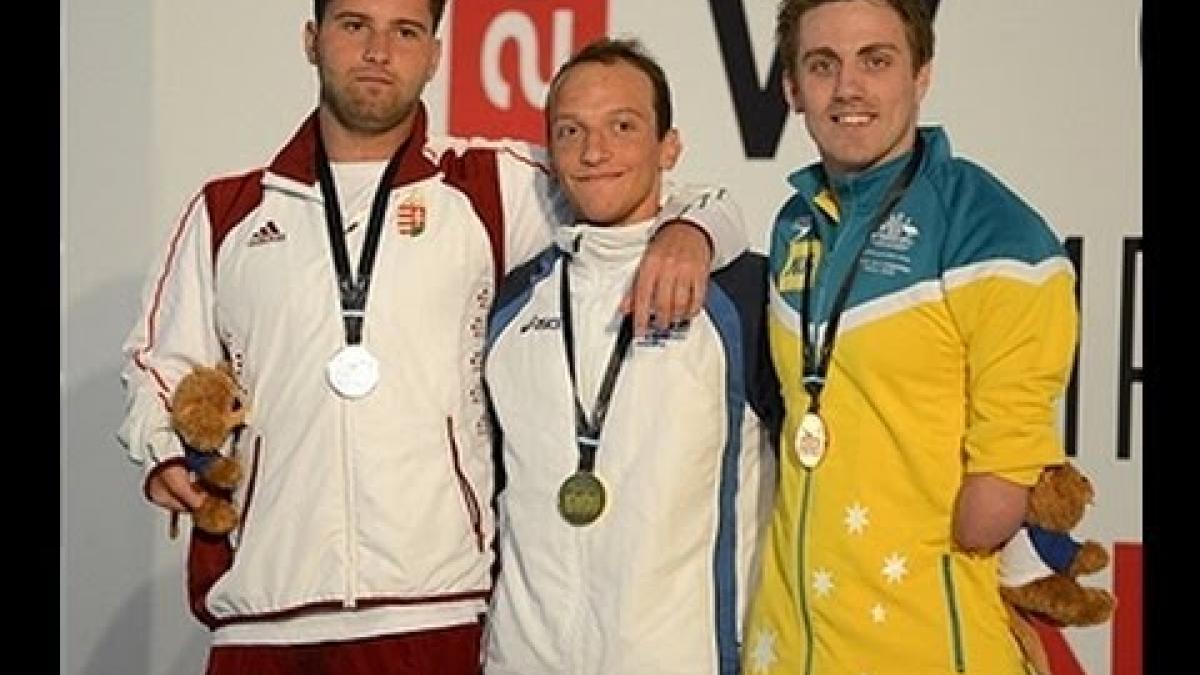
point(436, 8)
point(608, 51)
point(918, 26)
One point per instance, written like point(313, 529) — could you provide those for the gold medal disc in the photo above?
point(581, 498)
point(810, 440)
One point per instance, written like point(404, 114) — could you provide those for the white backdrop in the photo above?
point(159, 95)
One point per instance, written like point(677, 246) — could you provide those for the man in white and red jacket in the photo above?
point(349, 282)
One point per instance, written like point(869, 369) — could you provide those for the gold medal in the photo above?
point(581, 498)
point(810, 440)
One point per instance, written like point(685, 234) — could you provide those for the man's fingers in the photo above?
point(681, 301)
point(164, 499)
point(642, 309)
point(172, 488)
point(698, 294)
point(644, 294)
point(663, 302)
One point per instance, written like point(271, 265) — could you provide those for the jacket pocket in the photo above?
point(469, 498)
point(953, 616)
point(251, 482)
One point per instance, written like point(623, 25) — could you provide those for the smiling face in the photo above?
point(856, 84)
point(373, 58)
point(604, 143)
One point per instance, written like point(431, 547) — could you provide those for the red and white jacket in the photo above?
point(379, 505)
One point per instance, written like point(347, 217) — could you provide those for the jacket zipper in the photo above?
point(960, 661)
point(801, 573)
point(470, 501)
point(252, 482)
point(351, 598)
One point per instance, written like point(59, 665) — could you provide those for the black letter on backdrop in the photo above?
point(760, 112)
point(1128, 373)
point(1074, 246)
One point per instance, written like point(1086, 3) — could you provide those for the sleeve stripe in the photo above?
point(152, 315)
point(1008, 268)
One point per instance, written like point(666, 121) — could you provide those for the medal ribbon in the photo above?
point(816, 367)
point(587, 433)
point(353, 290)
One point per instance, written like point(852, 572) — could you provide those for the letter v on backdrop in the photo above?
point(503, 56)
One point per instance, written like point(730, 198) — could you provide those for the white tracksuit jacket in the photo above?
point(380, 504)
point(658, 584)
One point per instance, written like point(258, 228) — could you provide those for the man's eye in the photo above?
point(878, 62)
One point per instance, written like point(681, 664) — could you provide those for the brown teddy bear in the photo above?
point(206, 407)
point(1040, 564)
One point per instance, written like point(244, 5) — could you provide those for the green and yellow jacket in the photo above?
point(955, 345)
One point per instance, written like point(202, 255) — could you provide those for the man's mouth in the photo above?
point(853, 119)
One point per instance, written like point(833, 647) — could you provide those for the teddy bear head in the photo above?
point(1060, 497)
point(206, 406)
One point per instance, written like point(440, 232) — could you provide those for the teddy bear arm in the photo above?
point(1091, 558)
point(1062, 600)
point(223, 472)
point(215, 516)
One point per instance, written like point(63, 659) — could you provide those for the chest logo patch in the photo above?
point(410, 215)
point(801, 250)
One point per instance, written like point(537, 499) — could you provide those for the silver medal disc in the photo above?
point(353, 372)
point(810, 440)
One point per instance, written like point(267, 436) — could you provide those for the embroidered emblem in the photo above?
point(410, 215)
point(791, 277)
point(896, 234)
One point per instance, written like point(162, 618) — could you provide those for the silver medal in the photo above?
point(353, 372)
point(810, 440)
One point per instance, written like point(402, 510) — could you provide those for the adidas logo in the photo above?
point(266, 234)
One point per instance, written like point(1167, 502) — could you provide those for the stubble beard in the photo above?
point(362, 115)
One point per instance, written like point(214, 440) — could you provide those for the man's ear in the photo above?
point(669, 150)
point(437, 58)
point(310, 42)
point(791, 93)
point(923, 78)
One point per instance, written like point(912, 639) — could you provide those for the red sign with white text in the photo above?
point(503, 55)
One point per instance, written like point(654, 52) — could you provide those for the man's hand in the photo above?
point(172, 489)
point(672, 278)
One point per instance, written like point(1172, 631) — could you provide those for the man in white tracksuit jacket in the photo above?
point(671, 441)
point(366, 525)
